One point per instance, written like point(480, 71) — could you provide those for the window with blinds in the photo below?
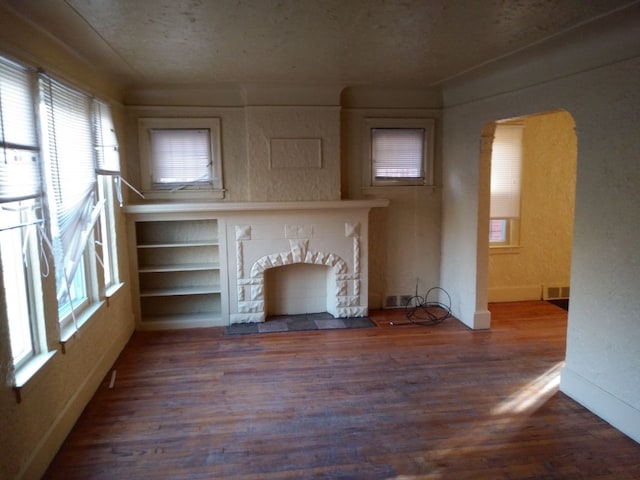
point(506, 167)
point(400, 152)
point(71, 180)
point(105, 140)
point(68, 151)
point(20, 192)
point(109, 186)
point(19, 162)
point(180, 156)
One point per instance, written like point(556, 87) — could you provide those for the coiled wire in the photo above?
point(421, 311)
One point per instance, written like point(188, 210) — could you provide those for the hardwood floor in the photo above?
point(398, 401)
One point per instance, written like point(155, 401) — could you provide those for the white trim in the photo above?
point(69, 331)
point(481, 320)
point(611, 409)
point(27, 371)
point(112, 290)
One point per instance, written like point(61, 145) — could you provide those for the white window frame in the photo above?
point(214, 190)
point(23, 293)
point(511, 228)
point(108, 188)
point(425, 124)
point(21, 201)
point(108, 238)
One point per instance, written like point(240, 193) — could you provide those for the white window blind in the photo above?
point(106, 146)
point(19, 152)
point(398, 153)
point(506, 165)
point(71, 175)
point(180, 156)
point(106, 142)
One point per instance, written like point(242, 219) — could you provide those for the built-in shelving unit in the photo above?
point(178, 271)
point(183, 275)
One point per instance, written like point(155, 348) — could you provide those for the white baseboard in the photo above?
point(514, 294)
point(611, 409)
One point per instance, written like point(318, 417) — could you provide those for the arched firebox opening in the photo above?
point(299, 288)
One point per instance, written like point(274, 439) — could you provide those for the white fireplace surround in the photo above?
point(347, 299)
point(331, 234)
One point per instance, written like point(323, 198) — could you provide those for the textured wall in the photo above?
point(33, 430)
point(546, 217)
point(293, 153)
point(603, 345)
point(404, 238)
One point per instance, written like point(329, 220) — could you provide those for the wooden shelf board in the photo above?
point(179, 291)
point(179, 267)
point(186, 244)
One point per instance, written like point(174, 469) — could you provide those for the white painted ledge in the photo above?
point(222, 207)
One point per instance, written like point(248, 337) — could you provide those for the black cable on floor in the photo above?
point(422, 311)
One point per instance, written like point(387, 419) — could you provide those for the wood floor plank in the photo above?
point(397, 401)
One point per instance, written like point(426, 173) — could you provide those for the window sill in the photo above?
point(381, 189)
point(26, 372)
point(504, 249)
point(69, 331)
point(113, 290)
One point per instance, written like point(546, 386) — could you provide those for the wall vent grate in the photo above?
point(397, 301)
point(555, 292)
point(391, 301)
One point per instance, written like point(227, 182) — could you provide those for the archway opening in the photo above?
point(535, 262)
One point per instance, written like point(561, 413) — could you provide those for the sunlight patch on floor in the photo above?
point(533, 394)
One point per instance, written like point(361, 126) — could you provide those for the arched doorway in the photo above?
point(537, 264)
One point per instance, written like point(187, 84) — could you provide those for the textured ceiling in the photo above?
point(405, 43)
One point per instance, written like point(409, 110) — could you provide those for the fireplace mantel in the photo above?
point(222, 207)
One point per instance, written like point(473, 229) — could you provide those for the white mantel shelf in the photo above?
point(178, 207)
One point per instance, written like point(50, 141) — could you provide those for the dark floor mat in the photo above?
point(297, 323)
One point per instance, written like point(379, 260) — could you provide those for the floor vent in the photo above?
point(553, 292)
point(391, 301)
point(397, 301)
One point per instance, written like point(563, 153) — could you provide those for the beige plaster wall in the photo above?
point(293, 153)
point(595, 79)
point(404, 238)
point(546, 217)
point(33, 429)
point(299, 144)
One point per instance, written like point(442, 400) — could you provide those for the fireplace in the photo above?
point(332, 235)
point(299, 288)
